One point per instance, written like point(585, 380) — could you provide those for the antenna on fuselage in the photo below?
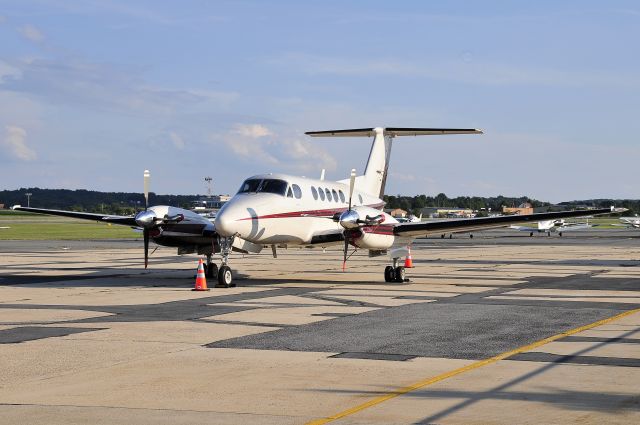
point(322, 174)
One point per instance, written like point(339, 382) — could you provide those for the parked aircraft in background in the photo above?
point(631, 222)
point(409, 219)
point(276, 210)
point(552, 226)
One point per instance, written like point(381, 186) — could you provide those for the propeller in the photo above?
point(145, 218)
point(146, 189)
point(148, 219)
point(348, 218)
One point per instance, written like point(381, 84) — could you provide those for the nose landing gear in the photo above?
point(225, 275)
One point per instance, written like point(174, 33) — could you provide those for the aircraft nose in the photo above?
point(224, 223)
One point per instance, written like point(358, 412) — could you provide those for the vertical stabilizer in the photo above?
point(375, 175)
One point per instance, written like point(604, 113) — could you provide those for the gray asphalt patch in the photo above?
point(32, 333)
point(585, 360)
point(458, 331)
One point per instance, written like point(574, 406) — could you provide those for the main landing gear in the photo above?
point(225, 276)
point(395, 273)
point(210, 269)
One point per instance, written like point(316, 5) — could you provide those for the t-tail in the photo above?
point(374, 179)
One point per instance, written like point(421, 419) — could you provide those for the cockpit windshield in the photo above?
point(279, 187)
point(250, 185)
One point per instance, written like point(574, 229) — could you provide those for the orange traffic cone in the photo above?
point(201, 280)
point(408, 261)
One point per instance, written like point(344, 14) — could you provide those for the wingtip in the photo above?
point(16, 207)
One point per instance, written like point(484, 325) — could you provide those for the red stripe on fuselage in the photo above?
point(307, 213)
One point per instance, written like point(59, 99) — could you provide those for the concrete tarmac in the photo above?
point(498, 329)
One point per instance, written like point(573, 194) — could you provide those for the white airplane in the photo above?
point(411, 218)
point(631, 222)
point(278, 209)
point(552, 226)
point(283, 210)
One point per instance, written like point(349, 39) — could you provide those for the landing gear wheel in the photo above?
point(389, 274)
point(560, 234)
point(399, 274)
point(212, 271)
point(225, 277)
point(531, 234)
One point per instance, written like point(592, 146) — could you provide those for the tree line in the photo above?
point(123, 203)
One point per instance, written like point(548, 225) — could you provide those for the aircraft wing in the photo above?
point(524, 228)
point(114, 219)
point(483, 223)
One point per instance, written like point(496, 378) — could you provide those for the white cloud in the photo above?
point(463, 70)
point(15, 142)
point(101, 86)
point(259, 144)
point(7, 71)
point(253, 131)
point(178, 142)
point(31, 33)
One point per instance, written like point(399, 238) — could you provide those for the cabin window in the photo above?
point(335, 195)
point(289, 193)
point(314, 192)
point(360, 198)
point(250, 185)
point(328, 192)
point(341, 196)
point(321, 193)
point(297, 192)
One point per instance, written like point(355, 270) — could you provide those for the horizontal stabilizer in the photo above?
point(392, 132)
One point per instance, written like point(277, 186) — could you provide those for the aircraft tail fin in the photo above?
point(375, 175)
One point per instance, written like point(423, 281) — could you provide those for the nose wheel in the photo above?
point(225, 278)
point(224, 273)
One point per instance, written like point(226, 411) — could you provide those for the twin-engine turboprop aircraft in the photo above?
point(283, 210)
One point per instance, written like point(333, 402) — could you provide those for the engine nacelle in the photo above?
point(374, 237)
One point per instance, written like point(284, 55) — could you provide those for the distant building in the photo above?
point(209, 204)
point(398, 212)
point(1, 206)
point(522, 209)
point(437, 212)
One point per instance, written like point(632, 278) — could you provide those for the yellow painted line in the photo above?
point(467, 368)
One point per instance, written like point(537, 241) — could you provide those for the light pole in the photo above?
point(28, 198)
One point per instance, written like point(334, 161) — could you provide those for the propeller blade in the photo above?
point(146, 189)
point(346, 248)
point(145, 233)
point(352, 181)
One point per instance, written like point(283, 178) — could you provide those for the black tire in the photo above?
point(399, 274)
point(451, 236)
point(560, 234)
point(442, 236)
point(470, 235)
point(389, 274)
point(212, 271)
point(225, 277)
point(531, 234)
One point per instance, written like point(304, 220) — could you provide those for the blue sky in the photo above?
point(94, 92)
